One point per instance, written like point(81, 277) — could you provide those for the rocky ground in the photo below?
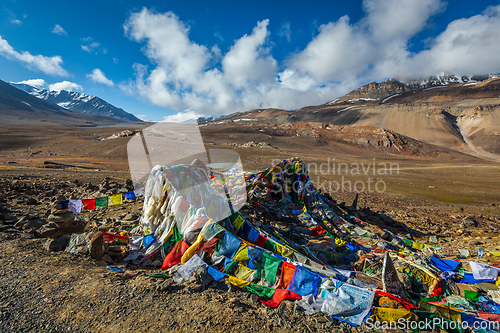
point(45, 289)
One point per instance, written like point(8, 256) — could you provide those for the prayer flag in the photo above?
point(116, 199)
point(88, 204)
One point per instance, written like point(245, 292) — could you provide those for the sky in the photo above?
point(166, 60)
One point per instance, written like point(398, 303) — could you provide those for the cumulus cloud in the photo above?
point(141, 116)
point(468, 46)
point(98, 76)
point(59, 30)
point(48, 65)
point(181, 117)
point(16, 21)
point(38, 83)
point(65, 85)
point(342, 56)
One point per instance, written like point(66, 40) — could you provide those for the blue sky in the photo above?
point(159, 59)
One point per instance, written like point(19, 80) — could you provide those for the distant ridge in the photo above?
point(20, 108)
point(78, 102)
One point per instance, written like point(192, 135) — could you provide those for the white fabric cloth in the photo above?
point(484, 272)
point(75, 206)
point(135, 243)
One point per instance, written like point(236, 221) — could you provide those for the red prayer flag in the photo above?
point(261, 241)
point(88, 204)
point(318, 230)
point(174, 257)
point(489, 316)
point(280, 295)
point(405, 304)
point(108, 237)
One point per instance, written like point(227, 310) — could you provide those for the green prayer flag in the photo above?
point(230, 267)
point(407, 242)
point(268, 267)
point(261, 291)
point(270, 245)
point(101, 202)
point(172, 239)
point(159, 275)
point(472, 295)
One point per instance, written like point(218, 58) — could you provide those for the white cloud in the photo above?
point(38, 83)
point(399, 19)
point(342, 56)
point(184, 116)
point(59, 30)
point(48, 65)
point(141, 116)
point(65, 85)
point(98, 76)
point(16, 21)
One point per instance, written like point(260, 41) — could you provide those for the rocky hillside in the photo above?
point(464, 116)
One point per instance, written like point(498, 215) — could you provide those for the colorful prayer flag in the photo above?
point(75, 206)
point(101, 201)
point(116, 199)
point(88, 204)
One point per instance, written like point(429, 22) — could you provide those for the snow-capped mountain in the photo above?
point(379, 92)
point(78, 102)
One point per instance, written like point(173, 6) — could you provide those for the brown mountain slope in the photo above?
point(355, 140)
point(460, 116)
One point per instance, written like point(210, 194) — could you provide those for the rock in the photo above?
point(31, 201)
point(468, 223)
point(165, 285)
point(34, 224)
point(57, 244)
point(57, 211)
point(107, 259)
point(89, 243)
point(47, 230)
point(130, 217)
point(60, 198)
point(65, 219)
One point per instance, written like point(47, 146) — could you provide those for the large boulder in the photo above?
point(57, 244)
point(87, 243)
point(65, 219)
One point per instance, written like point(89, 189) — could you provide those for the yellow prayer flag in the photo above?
point(237, 282)
point(116, 199)
point(283, 251)
point(340, 242)
point(238, 222)
point(390, 315)
point(417, 246)
point(304, 210)
point(495, 253)
point(243, 272)
point(242, 254)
